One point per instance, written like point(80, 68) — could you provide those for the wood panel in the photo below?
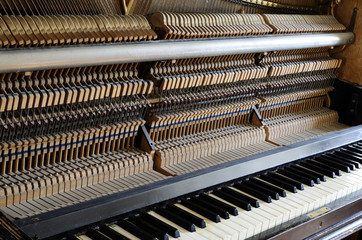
point(351, 69)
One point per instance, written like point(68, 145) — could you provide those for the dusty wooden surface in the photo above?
point(351, 69)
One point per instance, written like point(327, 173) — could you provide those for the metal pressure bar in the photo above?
point(22, 60)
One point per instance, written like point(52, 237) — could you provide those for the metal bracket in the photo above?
point(146, 143)
point(353, 20)
point(256, 118)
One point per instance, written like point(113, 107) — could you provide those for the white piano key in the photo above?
point(83, 237)
point(272, 210)
point(253, 225)
point(300, 200)
point(308, 193)
point(120, 230)
point(295, 206)
point(263, 217)
point(326, 196)
point(339, 189)
point(293, 210)
point(235, 226)
point(340, 183)
point(270, 223)
point(357, 173)
point(323, 196)
point(354, 179)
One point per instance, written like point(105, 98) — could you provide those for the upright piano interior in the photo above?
point(110, 107)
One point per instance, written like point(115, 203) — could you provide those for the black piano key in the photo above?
point(148, 227)
point(325, 166)
point(357, 155)
point(278, 190)
point(204, 211)
point(186, 215)
point(230, 209)
point(273, 194)
point(332, 163)
point(349, 157)
point(229, 198)
point(303, 174)
point(318, 169)
point(297, 177)
point(252, 201)
point(255, 193)
point(211, 207)
point(340, 161)
point(186, 224)
point(133, 229)
point(95, 234)
point(279, 183)
point(106, 230)
point(288, 180)
point(356, 145)
point(163, 226)
point(357, 149)
point(320, 176)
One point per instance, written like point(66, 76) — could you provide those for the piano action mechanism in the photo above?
point(191, 119)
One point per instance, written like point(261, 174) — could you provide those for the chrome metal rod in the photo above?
point(21, 60)
point(344, 231)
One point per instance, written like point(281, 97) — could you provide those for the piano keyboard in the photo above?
point(254, 207)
